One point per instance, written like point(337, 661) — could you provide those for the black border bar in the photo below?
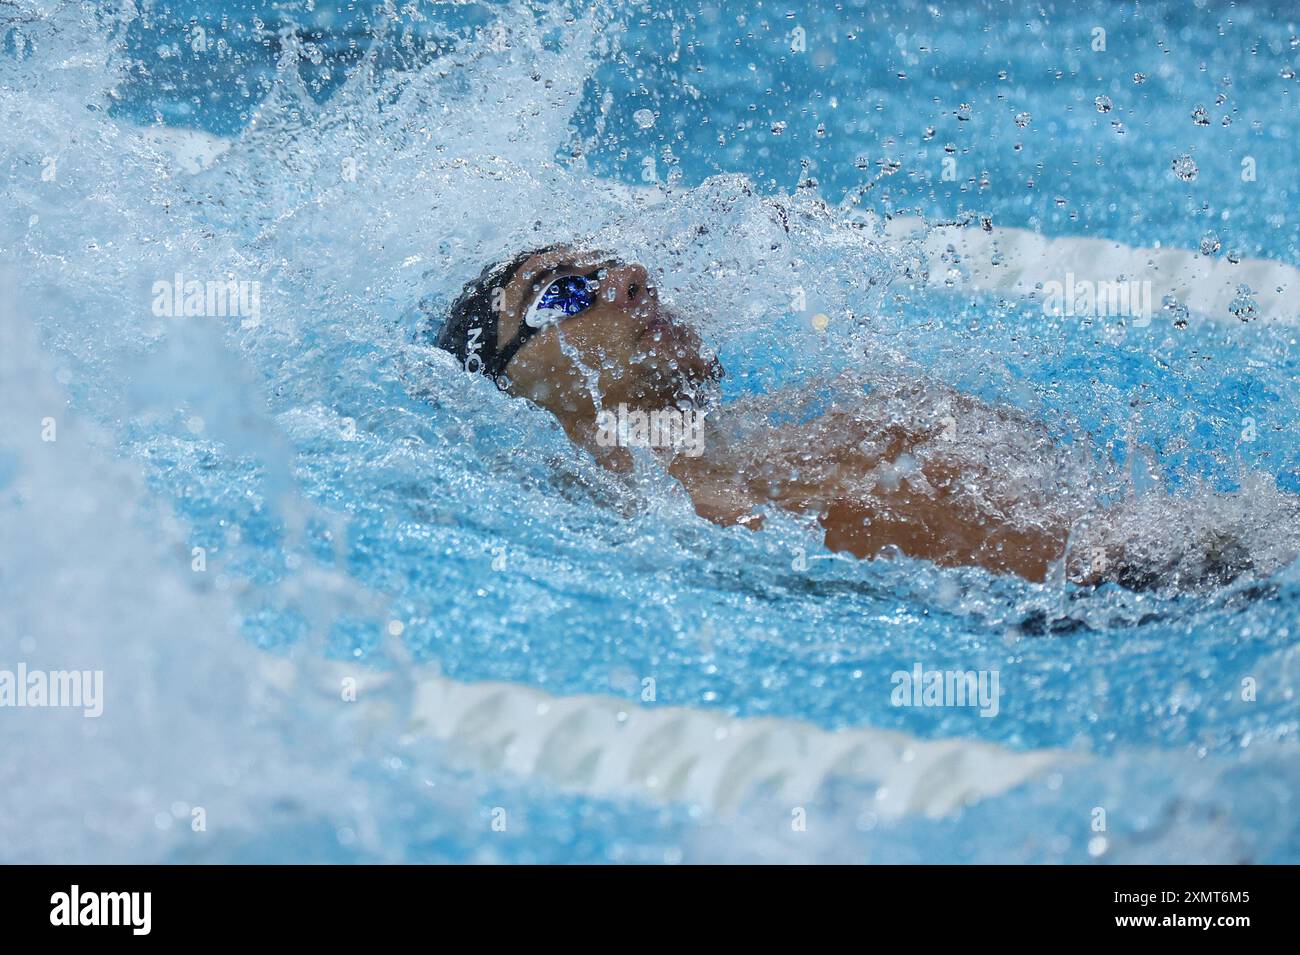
point(229, 904)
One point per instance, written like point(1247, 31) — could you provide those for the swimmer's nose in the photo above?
point(627, 286)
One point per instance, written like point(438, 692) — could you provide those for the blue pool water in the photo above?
point(340, 478)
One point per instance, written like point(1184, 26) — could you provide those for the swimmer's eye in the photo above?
point(561, 298)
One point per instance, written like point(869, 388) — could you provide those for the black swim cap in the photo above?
point(470, 329)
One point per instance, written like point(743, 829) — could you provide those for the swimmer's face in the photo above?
point(619, 345)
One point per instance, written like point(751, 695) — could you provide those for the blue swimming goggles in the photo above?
point(561, 299)
point(558, 299)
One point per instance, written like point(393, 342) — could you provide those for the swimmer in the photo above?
point(584, 336)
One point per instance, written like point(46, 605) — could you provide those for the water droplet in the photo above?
point(1104, 105)
point(1185, 168)
point(778, 127)
point(1139, 78)
point(964, 112)
point(1210, 244)
point(1022, 119)
point(1243, 305)
point(929, 133)
point(644, 118)
point(1178, 312)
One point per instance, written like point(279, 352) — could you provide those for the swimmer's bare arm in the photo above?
point(831, 468)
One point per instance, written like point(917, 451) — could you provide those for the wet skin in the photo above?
point(839, 468)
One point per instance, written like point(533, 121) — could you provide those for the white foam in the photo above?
point(1000, 259)
point(193, 151)
point(98, 578)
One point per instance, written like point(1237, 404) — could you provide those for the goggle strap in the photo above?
point(504, 354)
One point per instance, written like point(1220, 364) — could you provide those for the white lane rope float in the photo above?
point(608, 747)
point(1021, 262)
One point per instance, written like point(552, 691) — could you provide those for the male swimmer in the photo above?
point(580, 333)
